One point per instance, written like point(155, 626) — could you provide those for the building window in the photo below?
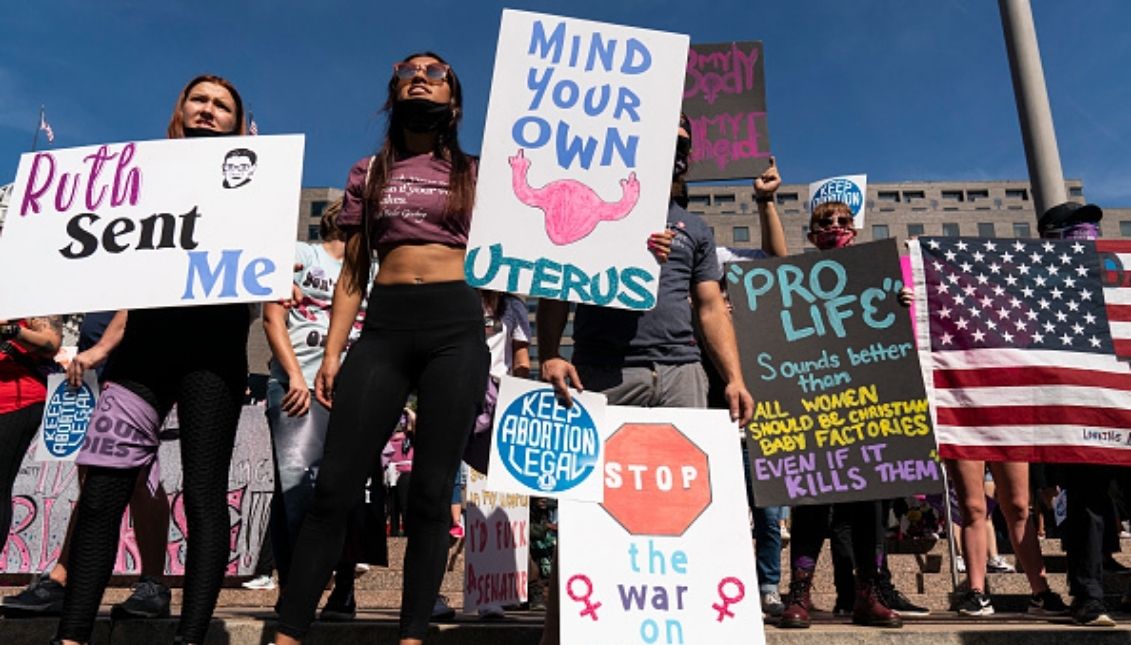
point(888, 195)
point(986, 229)
point(744, 207)
point(953, 196)
point(805, 231)
point(699, 213)
point(312, 231)
point(727, 213)
point(1017, 193)
point(1076, 191)
point(880, 232)
point(712, 231)
point(1021, 229)
point(786, 197)
point(950, 229)
point(699, 200)
point(913, 195)
point(1125, 229)
point(914, 229)
point(887, 209)
point(317, 207)
point(724, 199)
point(977, 195)
point(741, 234)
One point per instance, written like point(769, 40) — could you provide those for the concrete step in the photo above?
point(243, 627)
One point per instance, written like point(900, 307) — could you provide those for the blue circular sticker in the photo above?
point(66, 419)
point(545, 445)
point(838, 190)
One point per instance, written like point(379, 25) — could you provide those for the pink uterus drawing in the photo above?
point(572, 209)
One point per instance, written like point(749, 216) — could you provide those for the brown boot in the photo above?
point(870, 610)
point(797, 603)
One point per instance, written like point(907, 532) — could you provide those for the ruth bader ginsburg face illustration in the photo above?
point(239, 167)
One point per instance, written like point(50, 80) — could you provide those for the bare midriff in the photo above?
point(419, 264)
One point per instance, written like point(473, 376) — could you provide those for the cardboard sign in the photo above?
point(497, 556)
point(724, 96)
point(648, 565)
point(66, 417)
point(850, 189)
point(540, 447)
point(151, 224)
point(577, 160)
point(841, 413)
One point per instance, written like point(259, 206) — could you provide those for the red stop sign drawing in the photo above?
point(657, 481)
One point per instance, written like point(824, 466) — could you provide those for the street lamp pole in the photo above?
point(1037, 132)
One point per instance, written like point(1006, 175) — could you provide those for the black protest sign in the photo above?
point(724, 96)
point(828, 353)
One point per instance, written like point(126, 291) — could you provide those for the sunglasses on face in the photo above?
point(843, 221)
point(434, 73)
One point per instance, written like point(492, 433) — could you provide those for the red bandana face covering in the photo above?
point(833, 238)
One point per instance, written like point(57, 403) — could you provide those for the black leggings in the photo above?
point(423, 337)
point(208, 410)
point(812, 523)
point(17, 429)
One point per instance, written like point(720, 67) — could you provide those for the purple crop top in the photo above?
point(412, 205)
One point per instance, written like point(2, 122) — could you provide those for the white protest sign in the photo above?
point(66, 415)
point(577, 160)
point(540, 447)
point(496, 559)
point(850, 189)
point(666, 558)
point(151, 224)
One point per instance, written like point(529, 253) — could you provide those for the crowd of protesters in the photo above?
point(381, 313)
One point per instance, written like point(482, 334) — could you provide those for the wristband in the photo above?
point(9, 331)
point(763, 198)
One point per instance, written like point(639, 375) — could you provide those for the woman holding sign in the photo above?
point(424, 331)
point(25, 346)
point(195, 357)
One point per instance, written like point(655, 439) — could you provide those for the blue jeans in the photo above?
point(767, 552)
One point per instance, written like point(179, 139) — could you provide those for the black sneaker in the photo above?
point(1046, 603)
point(150, 599)
point(1091, 612)
point(43, 597)
point(975, 603)
point(339, 609)
point(442, 611)
point(894, 599)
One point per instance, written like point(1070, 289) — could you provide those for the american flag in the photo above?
point(46, 127)
point(252, 128)
point(1022, 359)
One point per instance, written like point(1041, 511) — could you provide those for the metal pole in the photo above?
point(35, 139)
point(1041, 153)
point(951, 538)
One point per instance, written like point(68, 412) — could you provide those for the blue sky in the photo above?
point(902, 90)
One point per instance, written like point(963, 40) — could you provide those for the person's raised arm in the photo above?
point(97, 354)
point(560, 373)
point(722, 345)
point(773, 235)
point(348, 294)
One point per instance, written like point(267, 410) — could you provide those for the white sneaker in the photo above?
point(265, 583)
point(999, 565)
point(360, 569)
point(960, 564)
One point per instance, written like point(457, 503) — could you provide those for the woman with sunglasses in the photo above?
point(411, 203)
point(195, 357)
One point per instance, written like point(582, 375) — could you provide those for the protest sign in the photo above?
point(151, 224)
point(66, 416)
point(724, 97)
point(540, 447)
point(577, 160)
point(497, 556)
point(850, 189)
point(666, 557)
point(841, 414)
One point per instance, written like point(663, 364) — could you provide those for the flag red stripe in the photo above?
point(1122, 347)
point(1018, 415)
point(1049, 454)
point(1030, 376)
point(1119, 313)
point(1113, 246)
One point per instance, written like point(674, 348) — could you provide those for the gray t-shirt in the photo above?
point(607, 336)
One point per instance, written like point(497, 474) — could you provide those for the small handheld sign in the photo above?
point(66, 417)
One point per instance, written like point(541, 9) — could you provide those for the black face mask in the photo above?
point(421, 115)
point(682, 156)
point(203, 132)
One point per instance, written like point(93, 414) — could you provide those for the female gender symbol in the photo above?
point(729, 600)
point(590, 607)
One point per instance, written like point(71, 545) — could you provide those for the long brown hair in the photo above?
point(176, 129)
